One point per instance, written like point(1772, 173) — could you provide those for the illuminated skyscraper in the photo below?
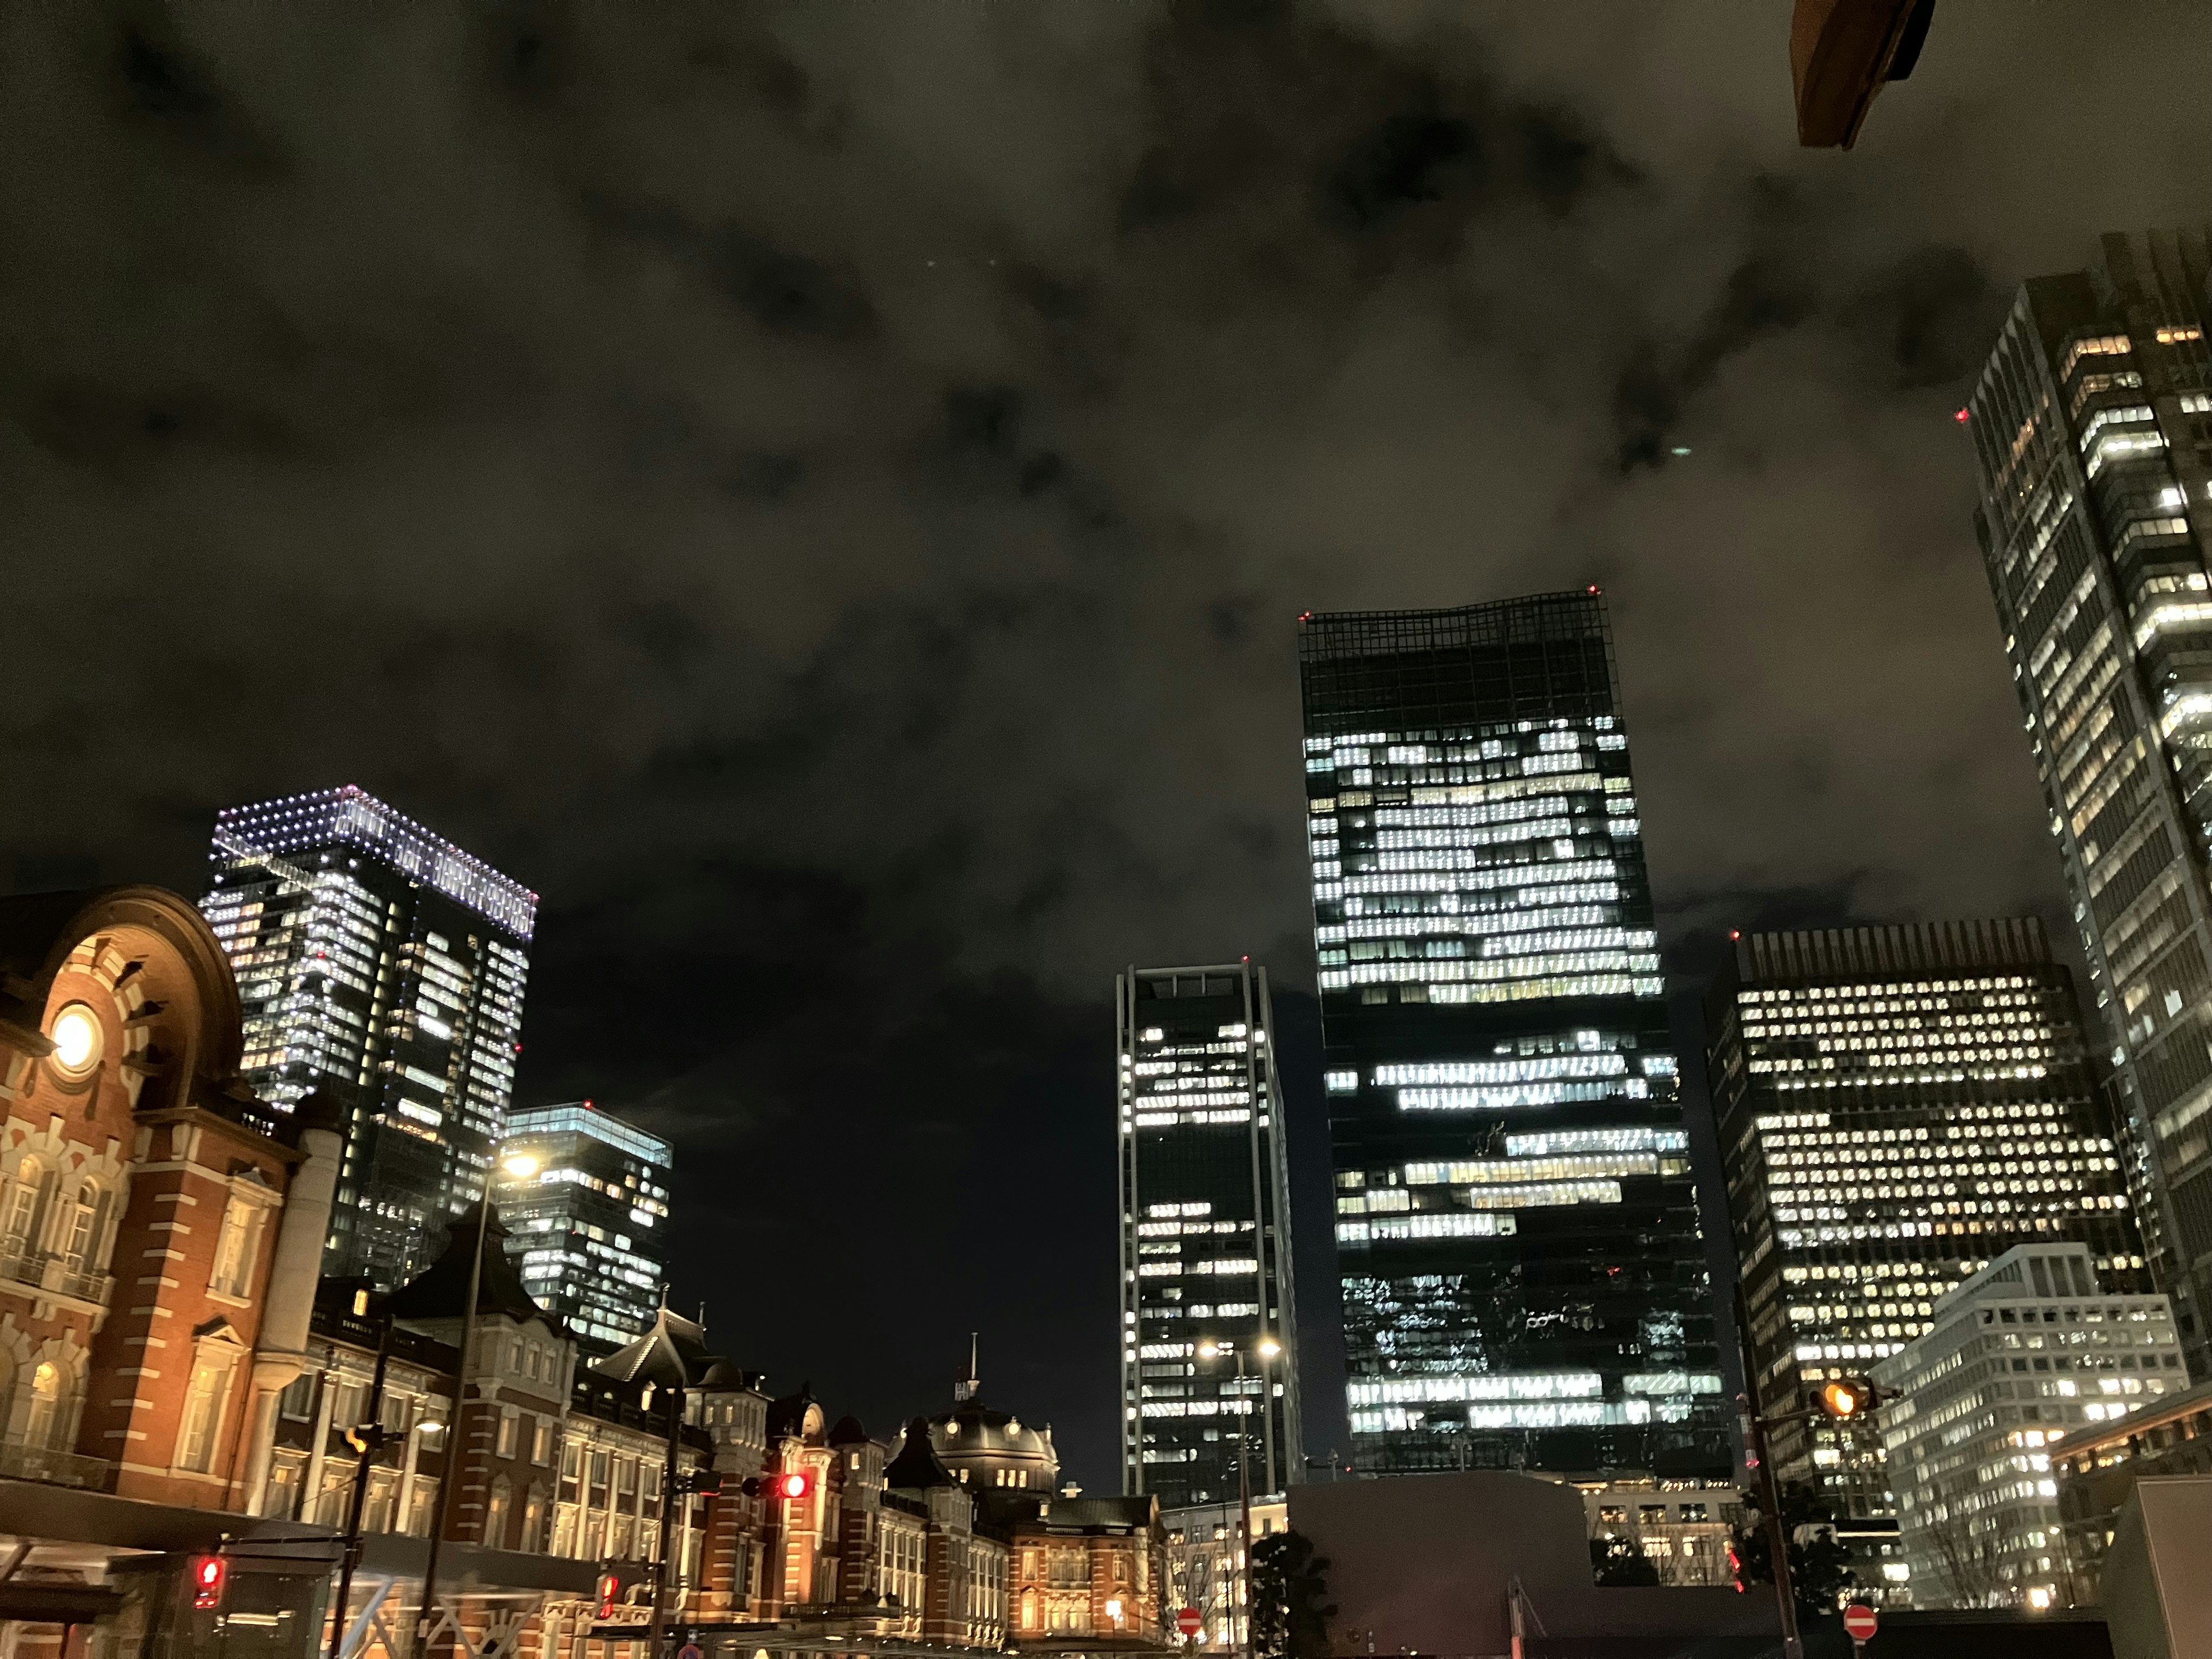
point(1205, 1241)
point(385, 966)
point(1897, 1108)
point(2092, 428)
point(588, 1227)
point(1523, 1276)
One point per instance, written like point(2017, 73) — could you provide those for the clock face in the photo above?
point(78, 1039)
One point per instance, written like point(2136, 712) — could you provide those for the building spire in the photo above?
point(972, 1384)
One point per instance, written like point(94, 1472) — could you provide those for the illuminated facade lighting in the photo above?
point(1513, 1194)
point(385, 966)
point(588, 1228)
point(2095, 464)
point(2029, 1349)
point(1896, 1107)
point(1206, 1241)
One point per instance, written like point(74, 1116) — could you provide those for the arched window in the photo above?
point(533, 1520)
point(1028, 1609)
point(43, 1425)
point(494, 1532)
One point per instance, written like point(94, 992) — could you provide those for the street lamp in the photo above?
point(521, 1166)
point(1268, 1348)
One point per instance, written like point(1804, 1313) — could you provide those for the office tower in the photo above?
point(1206, 1238)
point(1897, 1106)
point(2030, 1347)
point(1523, 1277)
point(586, 1218)
point(385, 967)
point(2092, 428)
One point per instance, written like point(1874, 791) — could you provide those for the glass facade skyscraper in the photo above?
point(2092, 428)
point(1205, 1241)
point(588, 1228)
point(1523, 1274)
point(384, 965)
point(1897, 1108)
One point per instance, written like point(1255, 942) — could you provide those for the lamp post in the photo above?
point(1268, 1348)
point(521, 1168)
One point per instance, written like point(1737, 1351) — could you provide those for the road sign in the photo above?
point(1190, 1621)
point(1859, 1623)
point(689, 1650)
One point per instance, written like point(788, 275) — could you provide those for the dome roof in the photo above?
point(987, 1448)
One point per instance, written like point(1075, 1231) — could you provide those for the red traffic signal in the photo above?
point(209, 1574)
point(610, 1588)
point(790, 1488)
point(1736, 1568)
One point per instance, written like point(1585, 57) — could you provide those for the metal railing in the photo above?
point(56, 1469)
point(43, 1270)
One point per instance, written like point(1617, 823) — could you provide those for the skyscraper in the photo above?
point(385, 966)
point(588, 1226)
point(1897, 1107)
point(2092, 426)
point(1523, 1275)
point(1205, 1240)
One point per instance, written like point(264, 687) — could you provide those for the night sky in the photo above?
point(822, 493)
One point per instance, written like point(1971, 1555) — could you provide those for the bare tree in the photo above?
point(1971, 1559)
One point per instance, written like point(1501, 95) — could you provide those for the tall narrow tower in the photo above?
point(1523, 1275)
point(2092, 426)
point(384, 965)
point(1209, 1346)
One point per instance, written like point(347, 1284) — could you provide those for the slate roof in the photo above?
point(917, 1465)
point(440, 1291)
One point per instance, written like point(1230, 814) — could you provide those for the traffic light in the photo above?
point(610, 1589)
point(1736, 1568)
point(209, 1574)
point(789, 1488)
point(706, 1482)
point(1850, 1397)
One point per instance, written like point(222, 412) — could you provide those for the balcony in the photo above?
point(56, 1469)
point(57, 1277)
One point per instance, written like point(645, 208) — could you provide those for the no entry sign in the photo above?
point(1859, 1623)
point(1189, 1623)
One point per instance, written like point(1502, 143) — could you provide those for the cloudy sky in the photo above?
point(821, 491)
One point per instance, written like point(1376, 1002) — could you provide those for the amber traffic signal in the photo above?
point(1850, 1397)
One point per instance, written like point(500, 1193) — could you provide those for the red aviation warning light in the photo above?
point(208, 1573)
point(1962, 416)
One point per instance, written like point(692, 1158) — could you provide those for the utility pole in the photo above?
point(367, 1438)
point(657, 1634)
point(1838, 1400)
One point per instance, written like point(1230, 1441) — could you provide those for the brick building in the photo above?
point(158, 1236)
point(169, 1356)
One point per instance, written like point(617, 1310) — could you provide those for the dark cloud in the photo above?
point(822, 493)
